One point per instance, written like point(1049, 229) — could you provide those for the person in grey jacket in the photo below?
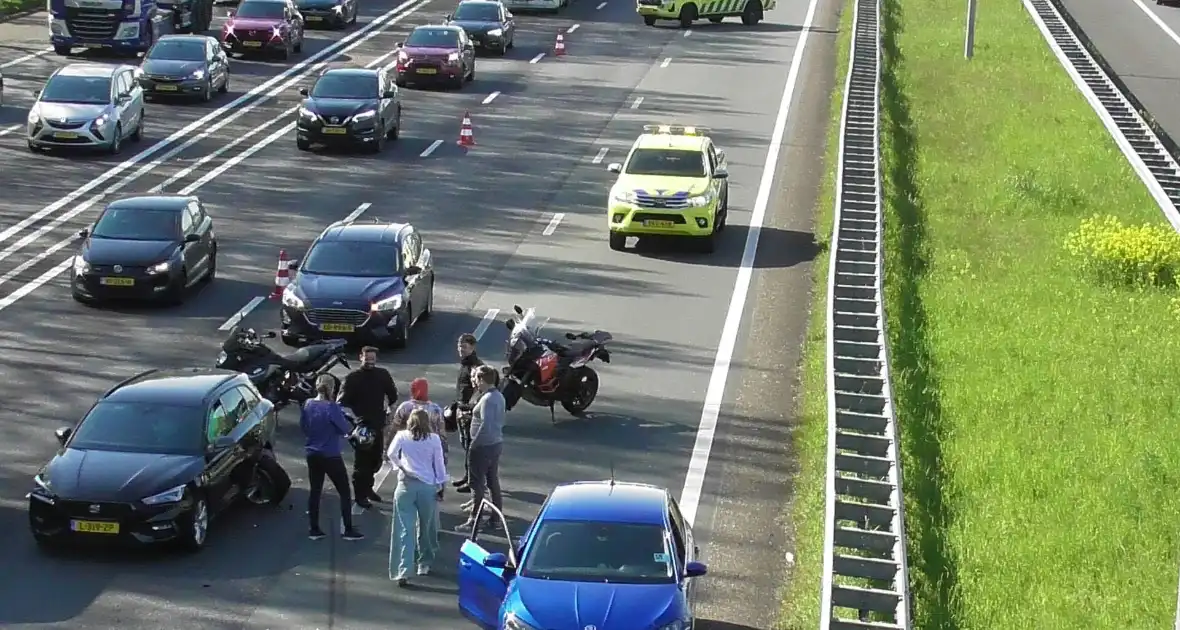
point(487, 443)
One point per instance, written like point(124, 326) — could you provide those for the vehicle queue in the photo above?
point(673, 183)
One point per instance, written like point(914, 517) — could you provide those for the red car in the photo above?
point(264, 27)
point(435, 54)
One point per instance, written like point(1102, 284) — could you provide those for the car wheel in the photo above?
point(195, 532)
point(211, 271)
point(61, 51)
point(429, 310)
point(400, 82)
point(116, 145)
point(138, 134)
point(688, 14)
point(396, 132)
point(649, 20)
point(207, 92)
point(752, 14)
point(299, 45)
point(471, 75)
point(401, 338)
point(302, 145)
point(579, 400)
point(224, 84)
point(618, 242)
point(271, 482)
point(175, 293)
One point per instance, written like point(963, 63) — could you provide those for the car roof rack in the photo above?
point(678, 130)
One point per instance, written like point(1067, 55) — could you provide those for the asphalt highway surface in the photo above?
point(516, 219)
point(1140, 40)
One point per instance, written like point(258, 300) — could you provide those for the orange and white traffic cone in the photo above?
point(559, 47)
point(466, 134)
point(282, 276)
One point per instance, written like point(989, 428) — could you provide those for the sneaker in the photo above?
point(423, 570)
point(316, 533)
point(403, 582)
point(375, 498)
point(463, 489)
point(458, 483)
point(352, 534)
point(466, 507)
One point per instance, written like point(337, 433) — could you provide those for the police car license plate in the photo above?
point(117, 282)
point(658, 224)
point(337, 328)
point(252, 44)
point(335, 131)
point(65, 135)
point(166, 88)
point(95, 527)
point(427, 71)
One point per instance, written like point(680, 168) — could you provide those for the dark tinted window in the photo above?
point(141, 428)
point(477, 12)
point(178, 50)
point(599, 552)
point(341, 85)
point(67, 89)
point(666, 162)
point(351, 258)
point(261, 10)
point(433, 38)
point(138, 224)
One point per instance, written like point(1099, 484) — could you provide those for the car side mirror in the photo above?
point(510, 324)
point(303, 91)
point(448, 17)
point(36, 93)
point(614, 167)
point(720, 174)
point(518, 309)
point(413, 270)
point(293, 264)
point(496, 561)
point(63, 435)
point(508, 16)
point(400, 45)
point(695, 569)
point(84, 232)
point(223, 442)
point(192, 238)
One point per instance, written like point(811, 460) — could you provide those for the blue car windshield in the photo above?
point(139, 427)
point(666, 163)
point(352, 258)
point(138, 224)
point(613, 553)
point(82, 90)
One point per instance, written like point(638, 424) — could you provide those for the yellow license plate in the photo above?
point(166, 88)
point(117, 282)
point(658, 223)
point(314, 18)
point(65, 135)
point(252, 44)
point(427, 71)
point(95, 527)
point(335, 131)
point(337, 328)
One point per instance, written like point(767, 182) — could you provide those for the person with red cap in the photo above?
point(420, 399)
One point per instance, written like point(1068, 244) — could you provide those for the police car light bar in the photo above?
point(677, 130)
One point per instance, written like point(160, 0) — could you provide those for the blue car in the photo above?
point(367, 282)
point(601, 555)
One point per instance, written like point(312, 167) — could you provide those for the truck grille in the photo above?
point(92, 23)
point(656, 201)
point(337, 316)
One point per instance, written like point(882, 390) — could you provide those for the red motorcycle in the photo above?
point(545, 372)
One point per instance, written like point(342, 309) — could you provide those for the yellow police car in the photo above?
point(674, 183)
point(688, 11)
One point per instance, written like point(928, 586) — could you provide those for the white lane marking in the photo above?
point(600, 6)
point(688, 32)
point(485, 323)
point(8, 130)
point(694, 481)
point(553, 223)
point(356, 214)
point(665, 62)
point(237, 159)
point(1158, 22)
point(600, 155)
point(637, 102)
point(188, 170)
point(24, 58)
point(29, 287)
point(539, 57)
point(26, 265)
point(572, 29)
point(491, 97)
point(265, 91)
point(430, 149)
point(240, 315)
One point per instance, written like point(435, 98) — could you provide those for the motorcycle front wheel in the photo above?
point(583, 388)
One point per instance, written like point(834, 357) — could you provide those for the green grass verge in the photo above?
point(8, 7)
point(800, 605)
point(1036, 407)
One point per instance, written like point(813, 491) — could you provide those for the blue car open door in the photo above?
point(482, 582)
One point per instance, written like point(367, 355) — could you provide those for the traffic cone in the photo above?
point(466, 134)
point(559, 47)
point(282, 275)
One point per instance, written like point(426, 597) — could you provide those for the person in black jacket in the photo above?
point(464, 391)
point(369, 391)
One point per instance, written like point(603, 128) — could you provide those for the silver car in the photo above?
point(88, 106)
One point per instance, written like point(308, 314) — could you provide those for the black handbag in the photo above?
point(451, 417)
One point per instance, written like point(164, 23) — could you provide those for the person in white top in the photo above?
point(417, 453)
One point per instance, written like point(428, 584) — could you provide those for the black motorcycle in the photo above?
point(283, 379)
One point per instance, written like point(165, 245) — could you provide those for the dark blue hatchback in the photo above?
point(368, 282)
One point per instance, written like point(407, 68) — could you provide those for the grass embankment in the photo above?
point(8, 7)
point(800, 597)
point(1037, 405)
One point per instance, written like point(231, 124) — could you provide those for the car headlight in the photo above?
point(41, 490)
point(512, 622)
point(171, 495)
point(306, 114)
point(291, 300)
point(496, 32)
point(392, 303)
point(101, 120)
point(80, 265)
point(34, 116)
point(160, 267)
point(41, 483)
point(338, 9)
point(700, 201)
point(453, 58)
point(624, 196)
point(198, 74)
point(364, 116)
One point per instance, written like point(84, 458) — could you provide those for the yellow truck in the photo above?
point(688, 11)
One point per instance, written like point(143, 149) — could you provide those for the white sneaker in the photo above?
point(423, 570)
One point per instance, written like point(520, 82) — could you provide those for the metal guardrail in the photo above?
point(866, 581)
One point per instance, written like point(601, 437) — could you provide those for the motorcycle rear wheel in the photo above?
point(583, 384)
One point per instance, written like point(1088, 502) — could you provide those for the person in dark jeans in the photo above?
point(464, 391)
point(324, 427)
point(369, 391)
point(487, 443)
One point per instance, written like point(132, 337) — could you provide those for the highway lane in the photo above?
point(644, 422)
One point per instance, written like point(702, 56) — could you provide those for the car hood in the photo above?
point(257, 24)
point(344, 292)
point(428, 51)
point(339, 107)
point(171, 67)
point(73, 112)
point(663, 185)
point(86, 475)
point(113, 251)
point(476, 26)
point(556, 604)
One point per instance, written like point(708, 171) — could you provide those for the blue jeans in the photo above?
point(414, 504)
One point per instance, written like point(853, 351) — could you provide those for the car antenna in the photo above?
point(612, 474)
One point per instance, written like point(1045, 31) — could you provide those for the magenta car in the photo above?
point(436, 55)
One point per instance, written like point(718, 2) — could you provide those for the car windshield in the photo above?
point(352, 258)
point(140, 427)
point(477, 12)
point(178, 50)
point(617, 553)
point(261, 10)
point(72, 89)
point(666, 163)
point(345, 86)
point(138, 224)
point(433, 38)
